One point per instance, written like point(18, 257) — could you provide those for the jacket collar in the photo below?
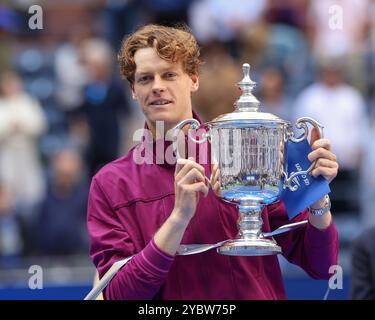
point(162, 148)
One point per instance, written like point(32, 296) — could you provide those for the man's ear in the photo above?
point(194, 82)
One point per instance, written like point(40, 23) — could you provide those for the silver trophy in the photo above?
point(249, 148)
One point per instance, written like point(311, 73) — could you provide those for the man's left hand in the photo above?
point(326, 164)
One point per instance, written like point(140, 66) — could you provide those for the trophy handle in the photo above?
point(194, 124)
point(302, 124)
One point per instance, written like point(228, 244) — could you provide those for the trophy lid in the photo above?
point(246, 108)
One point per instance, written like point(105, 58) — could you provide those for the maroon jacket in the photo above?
point(129, 202)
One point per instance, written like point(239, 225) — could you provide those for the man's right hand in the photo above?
point(189, 182)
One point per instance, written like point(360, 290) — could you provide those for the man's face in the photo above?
point(162, 89)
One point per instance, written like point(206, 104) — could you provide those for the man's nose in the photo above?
point(158, 85)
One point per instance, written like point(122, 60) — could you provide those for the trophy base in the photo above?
point(249, 247)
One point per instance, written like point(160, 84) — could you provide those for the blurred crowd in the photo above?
point(65, 111)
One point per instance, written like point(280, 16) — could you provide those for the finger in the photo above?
point(194, 175)
point(179, 165)
point(281, 152)
point(215, 174)
point(327, 173)
point(322, 143)
point(322, 162)
point(181, 162)
point(314, 136)
point(198, 187)
point(187, 165)
point(321, 153)
point(217, 188)
point(281, 155)
point(214, 167)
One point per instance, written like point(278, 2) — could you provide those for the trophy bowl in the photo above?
point(250, 149)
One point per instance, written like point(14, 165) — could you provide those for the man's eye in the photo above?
point(170, 75)
point(144, 79)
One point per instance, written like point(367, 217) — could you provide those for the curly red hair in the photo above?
point(172, 44)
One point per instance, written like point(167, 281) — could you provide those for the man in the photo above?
point(148, 210)
point(59, 226)
point(103, 106)
point(362, 282)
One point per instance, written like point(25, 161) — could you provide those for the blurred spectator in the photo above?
point(217, 86)
point(120, 18)
point(339, 28)
point(282, 46)
point(22, 122)
point(165, 11)
point(367, 175)
point(104, 103)
point(370, 53)
point(272, 93)
point(363, 266)
point(11, 242)
point(289, 12)
point(71, 76)
point(223, 20)
point(9, 19)
point(341, 109)
point(8, 25)
point(60, 227)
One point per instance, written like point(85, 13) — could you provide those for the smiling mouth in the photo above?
point(160, 102)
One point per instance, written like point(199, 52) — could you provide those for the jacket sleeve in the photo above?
point(143, 276)
point(314, 250)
